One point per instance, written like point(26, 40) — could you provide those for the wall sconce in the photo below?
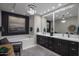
point(37, 29)
point(31, 29)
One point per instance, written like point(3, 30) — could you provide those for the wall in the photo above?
point(31, 24)
point(39, 22)
point(78, 16)
point(0, 17)
point(44, 24)
point(0, 21)
point(63, 27)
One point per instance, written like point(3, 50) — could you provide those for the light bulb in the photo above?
point(59, 4)
point(12, 10)
point(63, 21)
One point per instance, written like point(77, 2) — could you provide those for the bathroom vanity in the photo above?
point(62, 45)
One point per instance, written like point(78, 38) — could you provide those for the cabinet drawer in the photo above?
point(73, 44)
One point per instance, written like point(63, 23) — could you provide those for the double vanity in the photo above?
point(60, 44)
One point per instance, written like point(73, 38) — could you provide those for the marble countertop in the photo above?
point(60, 36)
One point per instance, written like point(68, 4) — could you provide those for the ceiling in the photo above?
point(21, 8)
point(42, 9)
point(67, 12)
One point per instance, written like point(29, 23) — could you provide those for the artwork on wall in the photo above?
point(16, 24)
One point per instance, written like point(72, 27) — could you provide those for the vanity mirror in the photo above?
point(63, 20)
point(49, 24)
point(66, 20)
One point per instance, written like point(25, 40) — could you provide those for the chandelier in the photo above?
point(31, 9)
point(63, 19)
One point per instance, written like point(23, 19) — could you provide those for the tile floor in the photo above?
point(38, 51)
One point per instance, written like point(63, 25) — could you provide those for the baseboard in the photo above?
point(29, 46)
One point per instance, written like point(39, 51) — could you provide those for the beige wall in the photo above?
point(62, 27)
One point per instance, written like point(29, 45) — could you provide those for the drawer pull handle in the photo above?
point(72, 43)
point(73, 49)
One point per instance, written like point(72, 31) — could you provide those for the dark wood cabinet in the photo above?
point(42, 41)
point(60, 46)
point(50, 44)
point(73, 48)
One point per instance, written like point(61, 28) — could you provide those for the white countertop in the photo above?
point(60, 36)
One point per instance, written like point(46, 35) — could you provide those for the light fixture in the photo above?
point(12, 10)
point(56, 15)
point(48, 10)
point(59, 4)
point(59, 10)
point(53, 7)
point(40, 13)
point(13, 7)
point(31, 9)
point(70, 15)
point(44, 11)
point(63, 19)
point(67, 12)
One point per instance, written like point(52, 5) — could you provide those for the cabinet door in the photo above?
point(39, 39)
point(60, 46)
point(45, 40)
point(56, 45)
point(42, 40)
point(64, 48)
point(51, 44)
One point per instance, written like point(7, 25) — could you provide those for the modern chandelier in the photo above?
point(31, 9)
point(63, 19)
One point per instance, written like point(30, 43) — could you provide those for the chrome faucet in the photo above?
point(68, 35)
point(63, 35)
